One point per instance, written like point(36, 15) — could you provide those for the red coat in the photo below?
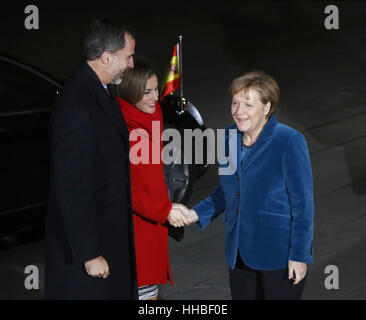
point(150, 199)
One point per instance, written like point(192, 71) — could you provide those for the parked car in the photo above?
point(27, 96)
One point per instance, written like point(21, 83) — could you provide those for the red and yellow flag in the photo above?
point(172, 79)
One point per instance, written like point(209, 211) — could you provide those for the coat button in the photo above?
point(238, 193)
point(237, 211)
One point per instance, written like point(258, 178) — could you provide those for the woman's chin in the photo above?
point(242, 128)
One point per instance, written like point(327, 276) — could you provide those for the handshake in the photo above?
point(180, 215)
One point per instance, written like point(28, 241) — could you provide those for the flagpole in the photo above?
point(180, 61)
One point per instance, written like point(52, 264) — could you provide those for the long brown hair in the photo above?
point(134, 81)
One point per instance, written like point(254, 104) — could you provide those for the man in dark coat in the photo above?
point(90, 250)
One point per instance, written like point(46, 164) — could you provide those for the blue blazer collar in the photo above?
point(257, 148)
point(267, 129)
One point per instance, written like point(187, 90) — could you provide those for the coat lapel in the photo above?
point(106, 102)
point(110, 106)
point(261, 143)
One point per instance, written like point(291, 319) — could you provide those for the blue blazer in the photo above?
point(268, 201)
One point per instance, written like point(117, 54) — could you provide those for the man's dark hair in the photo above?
point(104, 35)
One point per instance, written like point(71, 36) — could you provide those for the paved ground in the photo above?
point(321, 74)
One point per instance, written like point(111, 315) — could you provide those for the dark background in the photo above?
point(322, 78)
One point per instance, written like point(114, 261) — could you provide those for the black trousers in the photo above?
point(249, 284)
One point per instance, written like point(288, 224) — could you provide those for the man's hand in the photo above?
point(97, 267)
point(176, 218)
point(189, 214)
point(299, 268)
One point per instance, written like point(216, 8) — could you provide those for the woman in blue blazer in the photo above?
point(268, 200)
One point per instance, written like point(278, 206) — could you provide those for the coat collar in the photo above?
point(258, 146)
point(105, 101)
point(137, 119)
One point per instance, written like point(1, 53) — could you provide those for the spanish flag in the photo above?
point(172, 78)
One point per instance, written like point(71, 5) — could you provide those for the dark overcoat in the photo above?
point(89, 209)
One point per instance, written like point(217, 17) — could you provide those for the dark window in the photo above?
point(22, 90)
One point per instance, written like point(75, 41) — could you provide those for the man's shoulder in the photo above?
point(78, 90)
point(73, 97)
point(74, 102)
point(79, 81)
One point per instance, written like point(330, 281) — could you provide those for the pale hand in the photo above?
point(190, 214)
point(176, 218)
point(97, 267)
point(299, 268)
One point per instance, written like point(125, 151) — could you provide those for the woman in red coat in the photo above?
point(138, 99)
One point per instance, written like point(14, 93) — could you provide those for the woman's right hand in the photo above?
point(176, 218)
point(190, 215)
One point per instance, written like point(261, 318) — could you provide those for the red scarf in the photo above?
point(135, 118)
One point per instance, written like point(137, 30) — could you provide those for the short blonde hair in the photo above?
point(264, 84)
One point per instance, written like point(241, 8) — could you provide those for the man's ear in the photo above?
point(105, 58)
point(267, 107)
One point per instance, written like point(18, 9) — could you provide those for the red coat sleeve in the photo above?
point(150, 198)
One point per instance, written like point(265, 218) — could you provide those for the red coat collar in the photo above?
point(135, 118)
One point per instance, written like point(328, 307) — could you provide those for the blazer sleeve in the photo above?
point(299, 183)
point(72, 149)
point(210, 207)
point(150, 198)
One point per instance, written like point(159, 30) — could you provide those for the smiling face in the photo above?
point(150, 96)
point(248, 111)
